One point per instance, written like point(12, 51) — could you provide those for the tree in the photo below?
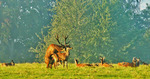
point(88, 24)
point(19, 23)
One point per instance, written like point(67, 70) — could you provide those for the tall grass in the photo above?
point(39, 71)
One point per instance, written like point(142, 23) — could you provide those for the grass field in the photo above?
point(39, 71)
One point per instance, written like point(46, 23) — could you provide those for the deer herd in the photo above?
point(59, 54)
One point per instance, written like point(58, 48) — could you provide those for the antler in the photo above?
point(57, 38)
point(66, 39)
point(102, 58)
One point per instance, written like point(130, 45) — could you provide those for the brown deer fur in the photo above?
point(126, 64)
point(104, 64)
point(63, 57)
point(81, 65)
point(53, 49)
point(135, 63)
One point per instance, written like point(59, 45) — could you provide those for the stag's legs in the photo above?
point(55, 59)
point(63, 64)
point(47, 60)
point(66, 63)
point(50, 66)
point(134, 64)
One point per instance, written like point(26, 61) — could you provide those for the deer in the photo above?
point(104, 64)
point(126, 64)
point(144, 63)
point(52, 50)
point(64, 56)
point(135, 63)
point(9, 64)
point(94, 64)
point(81, 65)
point(138, 62)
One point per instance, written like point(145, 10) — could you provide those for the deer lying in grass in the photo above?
point(126, 64)
point(9, 64)
point(94, 64)
point(104, 64)
point(81, 65)
point(135, 63)
point(64, 56)
point(144, 63)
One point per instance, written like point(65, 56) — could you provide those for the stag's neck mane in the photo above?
point(67, 53)
point(58, 47)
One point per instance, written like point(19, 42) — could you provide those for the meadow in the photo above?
point(39, 71)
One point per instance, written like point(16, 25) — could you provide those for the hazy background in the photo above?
point(115, 29)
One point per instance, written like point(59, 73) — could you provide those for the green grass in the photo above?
point(39, 71)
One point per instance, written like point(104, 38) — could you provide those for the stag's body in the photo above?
point(81, 65)
point(9, 64)
point(52, 50)
point(64, 56)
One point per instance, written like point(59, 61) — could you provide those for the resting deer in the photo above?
point(104, 64)
point(94, 64)
point(145, 63)
point(81, 65)
point(126, 64)
point(135, 63)
point(9, 64)
point(53, 49)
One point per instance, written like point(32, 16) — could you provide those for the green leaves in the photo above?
point(87, 23)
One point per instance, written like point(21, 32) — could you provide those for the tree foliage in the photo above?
point(88, 24)
point(19, 21)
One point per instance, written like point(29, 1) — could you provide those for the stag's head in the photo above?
point(12, 62)
point(66, 45)
point(76, 61)
point(102, 58)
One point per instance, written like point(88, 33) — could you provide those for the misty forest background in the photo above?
point(115, 29)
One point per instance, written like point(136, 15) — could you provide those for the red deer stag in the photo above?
point(104, 64)
point(53, 49)
point(81, 65)
point(64, 56)
point(9, 64)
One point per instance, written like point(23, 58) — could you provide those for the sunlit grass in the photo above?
point(39, 71)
